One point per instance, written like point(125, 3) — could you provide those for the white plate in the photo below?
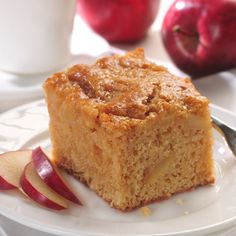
point(2, 232)
point(205, 210)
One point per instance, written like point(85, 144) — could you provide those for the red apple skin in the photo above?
point(4, 185)
point(50, 176)
point(200, 35)
point(34, 194)
point(120, 21)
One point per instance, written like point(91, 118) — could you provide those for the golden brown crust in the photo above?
point(128, 86)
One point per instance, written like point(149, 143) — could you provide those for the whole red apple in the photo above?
point(200, 35)
point(119, 20)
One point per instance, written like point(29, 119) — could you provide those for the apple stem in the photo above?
point(177, 29)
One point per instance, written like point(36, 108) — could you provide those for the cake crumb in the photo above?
point(186, 213)
point(180, 201)
point(146, 211)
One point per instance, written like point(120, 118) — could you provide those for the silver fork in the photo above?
point(227, 132)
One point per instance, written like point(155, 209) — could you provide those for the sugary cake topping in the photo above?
point(129, 85)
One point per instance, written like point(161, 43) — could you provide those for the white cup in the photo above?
point(35, 35)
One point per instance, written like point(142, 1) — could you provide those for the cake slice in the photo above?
point(130, 130)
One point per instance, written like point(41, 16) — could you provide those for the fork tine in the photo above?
point(227, 132)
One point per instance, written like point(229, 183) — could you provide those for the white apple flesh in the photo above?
point(50, 175)
point(11, 167)
point(40, 192)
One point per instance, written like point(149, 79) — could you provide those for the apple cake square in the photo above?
point(130, 130)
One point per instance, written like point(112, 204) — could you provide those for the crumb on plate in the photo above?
point(146, 211)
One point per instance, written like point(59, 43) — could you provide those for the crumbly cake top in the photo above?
point(127, 86)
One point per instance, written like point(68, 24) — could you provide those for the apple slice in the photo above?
point(11, 167)
point(40, 192)
point(50, 175)
point(4, 185)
